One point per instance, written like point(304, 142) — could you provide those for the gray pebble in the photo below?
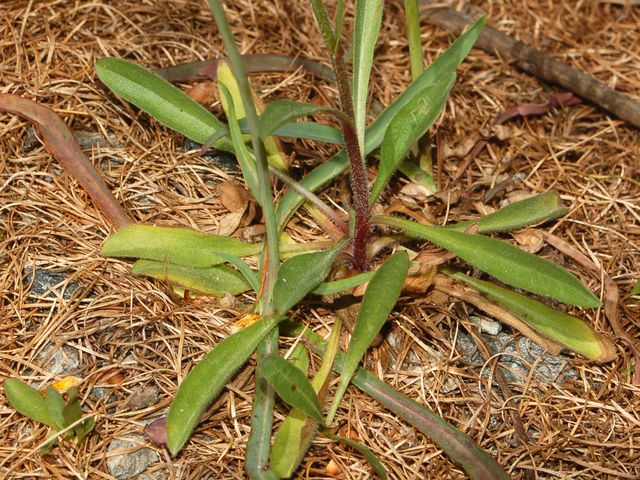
point(57, 360)
point(223, 160)
point(41, 283)
point(132, 458)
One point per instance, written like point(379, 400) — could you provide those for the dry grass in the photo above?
point(131, 333)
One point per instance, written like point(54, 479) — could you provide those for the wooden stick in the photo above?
point(539, 64)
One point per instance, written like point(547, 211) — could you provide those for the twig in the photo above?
point(540, 64)
point(311, 197)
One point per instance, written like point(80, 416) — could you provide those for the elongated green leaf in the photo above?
point(28, 401)
point(301, 129)
point(570, 331)
point(215, 281)
point(409, 124)
point(364, 451)
point(300, 275)
point(292, 385)
point(164, 102)
point(297, 431)
point(299, 358)
point(504, 262)
point(529, 211)
point(243, 268)
point(458, 446)
point(444, 65)
point(365, 34)
point(311, 131)
point(259, 443)
point(55, 405)
point(203, 384)
point(181, 246)
point(287, 445)
point(636, 290)
point(245, 158)
point(379, 299)
point(226, 78)
point(329, 288)
point(279, 112)
point(72, 411)
point(336, 165)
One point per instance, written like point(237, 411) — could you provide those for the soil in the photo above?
point(132, 340)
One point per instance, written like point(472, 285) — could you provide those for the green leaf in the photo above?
point(214, 281)
point(297, 432)
point(530, 211)
point(299, 358)
point(409, 124)
point(362, 449)
point(336, 165)
point(181, 246)
point(311, 131)
point(279, 112)
point(72, 411)
point(503, 261)
point(226, 78)
point(262, 412)
point(292, 385)
point(164, 102)
point(636, 290)
point(444, 65)
point(84, 429)
point(570, 331)
point(28, 401)
point(205, 381)
point(55, 405)
point(367, 26)
point(242, 266)
point(245, 158)
point(287, 445)
point(457, 445)
point(379, 299)
point(300, 275)
point(329, 288)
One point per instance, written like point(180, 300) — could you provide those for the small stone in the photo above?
point(485, 325)
point(143, 396)
point(126, 457)
point(58, 360)
point(223, 160)
point(42, 283)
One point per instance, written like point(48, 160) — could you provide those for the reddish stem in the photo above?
point(358, 177)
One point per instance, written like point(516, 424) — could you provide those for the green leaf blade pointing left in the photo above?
point(181, 246)
point(214, 281)
point(409, 124)
point(205, 381)
point(163, 101)
point(379, 299)
point(504, 262)
point(292, 385)
point(300, 275)
point(28, 401)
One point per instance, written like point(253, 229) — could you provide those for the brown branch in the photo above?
point(540, 64)
point(59, 142)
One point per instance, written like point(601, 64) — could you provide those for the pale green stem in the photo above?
point(272, 261)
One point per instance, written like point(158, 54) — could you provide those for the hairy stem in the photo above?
point(271, 260)
point(358, 177)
